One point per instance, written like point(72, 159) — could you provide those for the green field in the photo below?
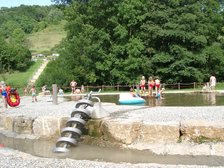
point(45, 40)
point(20, 79)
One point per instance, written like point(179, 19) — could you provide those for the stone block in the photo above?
point(8, 123)
point(93, 127)
point(23, 125)
point(125, 133)
point(202, 131)
point(217, 149)
point(1, 121)
point(48, 127)
point(164, 133)
point(140, 132)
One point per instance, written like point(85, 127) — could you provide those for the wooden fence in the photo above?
point(127, 87)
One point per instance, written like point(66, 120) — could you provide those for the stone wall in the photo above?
point(120, 131)
point(41, 127)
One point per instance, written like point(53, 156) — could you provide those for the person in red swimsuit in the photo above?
point(142, 85)
point(157, 85)
point(151, 84)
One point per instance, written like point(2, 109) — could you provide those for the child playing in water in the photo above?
point(159, 94)
point(142, 85)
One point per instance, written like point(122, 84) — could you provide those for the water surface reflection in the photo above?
point(177, 99)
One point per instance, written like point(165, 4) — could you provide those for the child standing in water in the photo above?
point(151, 84)
point(33, 93)
point(142, 85)
point(157, 85)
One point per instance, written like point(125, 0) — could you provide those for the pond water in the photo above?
point(177, 99)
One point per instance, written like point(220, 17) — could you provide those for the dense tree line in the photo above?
point(28, 18)
point(117, 41)
point(15, 24)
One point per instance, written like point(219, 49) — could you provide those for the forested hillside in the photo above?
point(16, 25)
point(117, 41)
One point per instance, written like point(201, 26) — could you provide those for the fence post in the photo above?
point(102, 87)
point(117, 87)
point(54, 94)
point(138, 89)
point(87, 88)
point(178, 86)
point(194, 85)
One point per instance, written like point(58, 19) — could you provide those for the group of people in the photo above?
point(46, 91)
point(152, 84)
point(32, 91)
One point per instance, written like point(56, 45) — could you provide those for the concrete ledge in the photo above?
point(194, 129)
point(209, 149)
point(48, 127)
point(131, 132)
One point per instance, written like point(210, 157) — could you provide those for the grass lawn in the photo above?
point(20, 79)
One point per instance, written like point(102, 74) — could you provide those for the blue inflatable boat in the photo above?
point(127, 98)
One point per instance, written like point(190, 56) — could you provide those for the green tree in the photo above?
point(18, 36)
point(113, 42)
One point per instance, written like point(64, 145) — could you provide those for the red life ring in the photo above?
point(13, 98)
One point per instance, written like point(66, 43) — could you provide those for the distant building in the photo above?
point(40, 55)
point(55, 55)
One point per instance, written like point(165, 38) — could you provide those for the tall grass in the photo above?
point(45, 40)
point(20, 79)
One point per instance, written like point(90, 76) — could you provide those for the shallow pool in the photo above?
point(176, 99)
point(92, 152)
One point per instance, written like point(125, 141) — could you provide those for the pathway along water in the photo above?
point(96, 153)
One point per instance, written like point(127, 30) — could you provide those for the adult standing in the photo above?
point(73, 84)
point(212, 82)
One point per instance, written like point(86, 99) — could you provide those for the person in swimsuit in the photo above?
point(212, 83)
point(159, 94)
point(33, 93)
point(151, 84)
point(157, 85)
point(73, 86)
point(142, 85)
point(4, 94)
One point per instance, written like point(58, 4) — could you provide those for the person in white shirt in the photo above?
point(212, 82)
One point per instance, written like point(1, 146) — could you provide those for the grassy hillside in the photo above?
point(39, 42)
point(45, 40)
point(20, 79)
